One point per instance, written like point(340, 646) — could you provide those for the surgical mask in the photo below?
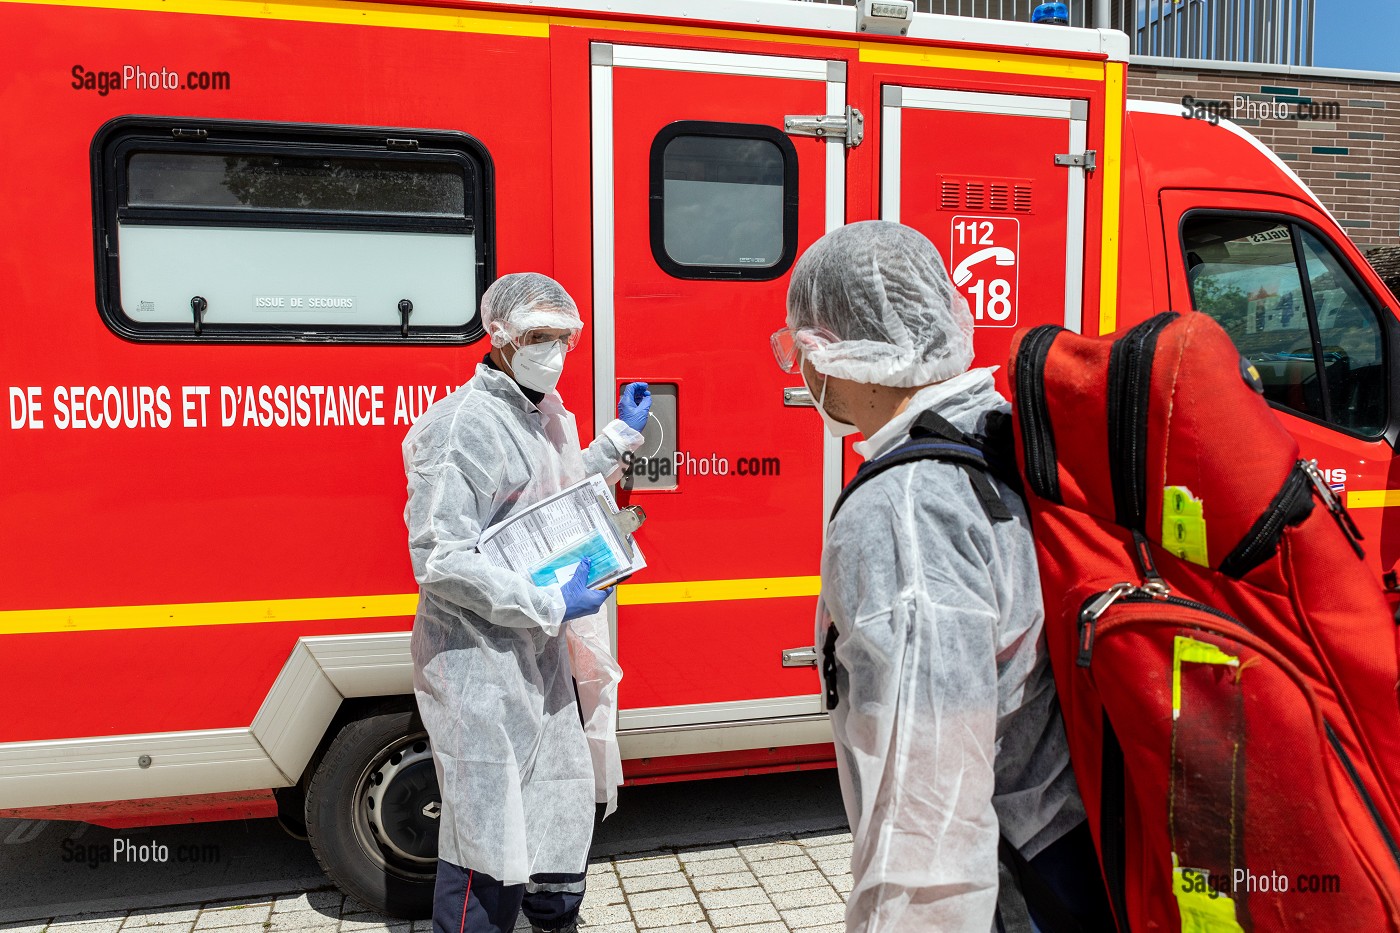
point(833, 427)
point(539, 366)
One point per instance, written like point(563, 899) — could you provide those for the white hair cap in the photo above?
point(524, 301)
point(872, 302)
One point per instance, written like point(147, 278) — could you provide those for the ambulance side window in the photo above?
point(224, 231)
point(723, 201)
point(1351, 341)
point(1295, 312)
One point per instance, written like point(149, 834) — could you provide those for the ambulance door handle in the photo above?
point(798, 397)
point(800, 657)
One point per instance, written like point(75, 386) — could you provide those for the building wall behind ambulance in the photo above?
point(1341, 134)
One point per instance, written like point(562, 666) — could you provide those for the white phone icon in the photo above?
point(1001, 254)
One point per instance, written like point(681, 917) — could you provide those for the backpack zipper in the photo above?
point(1334, 505)
point(1037, 437)
point(1291, 505)
point(1129, 385)
point(1153, 591)
point(1360, 788)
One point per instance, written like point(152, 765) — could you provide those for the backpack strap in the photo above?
point(932, 437)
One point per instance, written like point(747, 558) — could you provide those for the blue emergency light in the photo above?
point(1055, 14)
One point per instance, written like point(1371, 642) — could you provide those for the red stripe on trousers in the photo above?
point(465, 901)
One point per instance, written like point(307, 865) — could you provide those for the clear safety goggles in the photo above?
point(534, 338)
point(787, 350)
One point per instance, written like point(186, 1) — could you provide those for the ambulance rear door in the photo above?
point(702, 201)
point(997, 182)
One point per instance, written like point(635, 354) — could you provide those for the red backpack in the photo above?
point(1226, 663)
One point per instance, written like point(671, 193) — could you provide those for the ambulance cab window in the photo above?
point(1295, 312)
point(229, 231)
point(723, 201)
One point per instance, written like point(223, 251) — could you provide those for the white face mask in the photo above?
point(833, 427)
point(538, 366)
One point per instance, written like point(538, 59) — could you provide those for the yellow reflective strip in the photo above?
point(699, 591)
point(103, 618)
point(99, 618)
point(1186, 650)
point(977, 60)
point(335, 11)
point(618, 26)
point(1373, 498)
point(1203, 908)
point(1111, 173)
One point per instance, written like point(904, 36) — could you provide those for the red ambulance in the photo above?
point(244, 243)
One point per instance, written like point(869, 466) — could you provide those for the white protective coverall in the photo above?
point(947, 719)
point(947, 728)
point(493, 677)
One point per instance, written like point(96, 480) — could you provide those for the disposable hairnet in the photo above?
point(947, 730)
point(881, 291)
point(523, 301)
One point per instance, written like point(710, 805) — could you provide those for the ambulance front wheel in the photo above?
point(372, 809)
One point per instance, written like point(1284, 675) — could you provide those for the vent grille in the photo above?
point(952, 196)
point(992, 195)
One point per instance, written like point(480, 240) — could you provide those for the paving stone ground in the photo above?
point(785, 884)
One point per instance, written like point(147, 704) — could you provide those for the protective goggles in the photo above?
point(533, 338)
point(787, 349)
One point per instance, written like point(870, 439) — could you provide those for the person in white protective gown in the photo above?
point(515, 682)
point(947, 729)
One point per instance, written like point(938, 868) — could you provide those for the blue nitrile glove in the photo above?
point(579, 600)
point(634, 405)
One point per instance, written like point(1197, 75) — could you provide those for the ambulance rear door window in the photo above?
point(723, 201)
point(1247, 272)
point(232, 231)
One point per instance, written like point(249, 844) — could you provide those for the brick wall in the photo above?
point(1349, 154)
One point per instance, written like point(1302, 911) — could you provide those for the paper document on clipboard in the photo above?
point(546, 541)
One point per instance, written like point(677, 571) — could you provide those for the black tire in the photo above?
point(372, 809)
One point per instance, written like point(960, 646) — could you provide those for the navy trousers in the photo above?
point(466, 901)
point(1070, 867)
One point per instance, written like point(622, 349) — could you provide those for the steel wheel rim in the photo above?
point(394, 813)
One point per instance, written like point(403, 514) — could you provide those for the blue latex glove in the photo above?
point(634, 405)
point(579, 600)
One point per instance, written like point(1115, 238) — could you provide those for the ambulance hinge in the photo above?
point(849, 126)
point(1087, 160)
